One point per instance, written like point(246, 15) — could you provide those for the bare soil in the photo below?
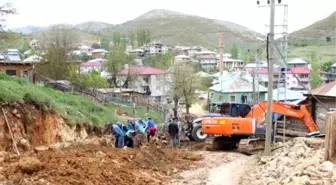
point(92, 164)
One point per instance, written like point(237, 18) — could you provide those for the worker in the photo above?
point(119, 136)
point(173, 131)
point(129, 135)
point(140, 137)
point(151, 129)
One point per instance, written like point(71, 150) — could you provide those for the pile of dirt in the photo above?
point(300, 161)
point(93, 164)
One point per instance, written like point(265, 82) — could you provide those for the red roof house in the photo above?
point(299, 70)
point(141, 71)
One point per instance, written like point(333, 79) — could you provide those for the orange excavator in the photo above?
point(249, 132)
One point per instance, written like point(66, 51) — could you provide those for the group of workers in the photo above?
point(133, 133)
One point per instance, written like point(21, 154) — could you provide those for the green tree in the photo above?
point(132, 39)
point(116, 38)
point(314, 77)
point(326, 66)
point(184, 84)
point(84, 57)
point(95, 46)
point(234, 51)
point(56, 63)
point(116, 61)
point(25, 46)
point(206, 83)
point(105, 43)
point(328, 39)
point(91, 80)
point(160, 61)
point(143, 36)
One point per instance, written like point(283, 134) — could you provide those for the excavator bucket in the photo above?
point(251, 146)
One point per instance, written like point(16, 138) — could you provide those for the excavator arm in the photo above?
point(297, 111)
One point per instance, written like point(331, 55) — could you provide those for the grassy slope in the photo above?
point(74, 108)
point(314, 37)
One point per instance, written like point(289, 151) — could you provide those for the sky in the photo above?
point(301, 13)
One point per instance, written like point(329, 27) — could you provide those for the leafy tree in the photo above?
point(132, 39)
point(206, 83)
point(91, 80)
point(116, 38)
point(159, 61)
point(56, 63)
point(84, 57)
point(116, 61)
point(25, 46)
point(314, 77)
point(328, 39)
point(234, 51)
point(143, 36)
point(6, 39)
point(184, 84)
point(326, 66)
point(105, 43)
point(95, 46)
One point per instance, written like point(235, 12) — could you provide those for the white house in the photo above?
point(298, 62)
point(156, 48)
point(302, 73)
point(260, 64)
point(149, 80)
point(207, 59)
point(99, 52)
point(86, 67)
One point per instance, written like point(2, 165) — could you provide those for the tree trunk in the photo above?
point(330, 137)
point(176, 100)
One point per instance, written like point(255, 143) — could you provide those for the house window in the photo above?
point(232, 98)
point(11, 72)
point(146, 79)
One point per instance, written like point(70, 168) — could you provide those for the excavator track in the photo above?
point(251, 146)
point(221, 143)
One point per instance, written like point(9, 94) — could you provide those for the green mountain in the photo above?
point(175, 28)
point(319, 37)
point(322, 32)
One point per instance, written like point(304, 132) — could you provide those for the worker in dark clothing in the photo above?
point(173, 130)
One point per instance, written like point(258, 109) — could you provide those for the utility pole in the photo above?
point(270, 81)
point(220, 47)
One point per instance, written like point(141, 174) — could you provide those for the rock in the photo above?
point(2, 159)
point(327, 166)
point(18, 115)
point(41, 148)
point(2, 177)
point(29, 165)
point(3, 154)
point(24, 144)
point(14, 111)
point(100, 154)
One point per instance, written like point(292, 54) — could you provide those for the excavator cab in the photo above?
point(230, 109)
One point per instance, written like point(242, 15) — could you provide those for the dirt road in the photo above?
point(215, 169)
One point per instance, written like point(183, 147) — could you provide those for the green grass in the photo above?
point(326, 52)
point(74, 108)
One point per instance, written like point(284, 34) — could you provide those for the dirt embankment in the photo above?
point(93, 164)
point(32, 127)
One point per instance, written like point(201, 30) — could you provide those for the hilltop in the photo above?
point(319, 36)
point(175, 28)
point(172, 28)
point(316, 33)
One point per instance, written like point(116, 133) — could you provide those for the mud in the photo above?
point(92, 164)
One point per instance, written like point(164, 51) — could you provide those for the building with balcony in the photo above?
point(296, 75)
point(149, 80)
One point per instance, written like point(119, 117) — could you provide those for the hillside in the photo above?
point(174, 28)
point(74, 108)
point(317, 33)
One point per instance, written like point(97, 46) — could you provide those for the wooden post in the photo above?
point(10, 132)
point(330, 137)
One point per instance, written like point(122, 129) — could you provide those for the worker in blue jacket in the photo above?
point(119, 136)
